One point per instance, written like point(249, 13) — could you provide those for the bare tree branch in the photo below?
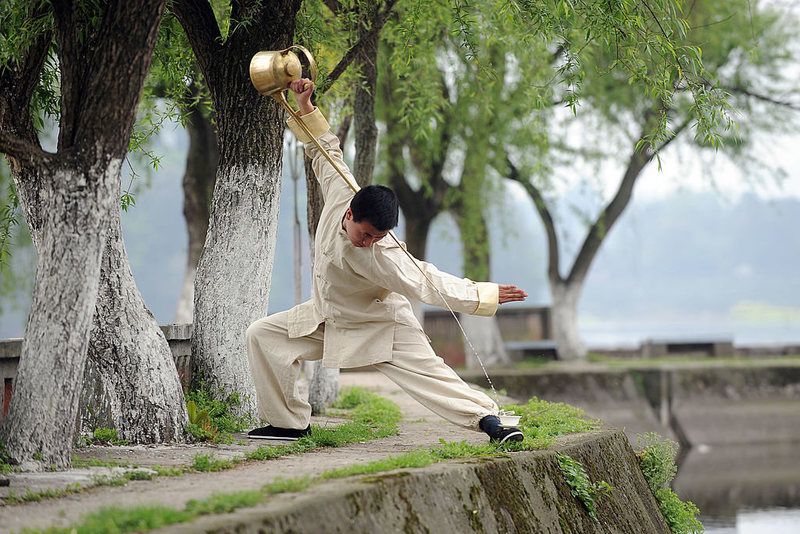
point(553, 260)
point(16, 147)
point(638, 160)
point(764, 98)
point(333, 5)
point(200, 25)
point(350, 55)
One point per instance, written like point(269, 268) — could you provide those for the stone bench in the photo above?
point(179, 337)
point(539, 348)
point(655, 348)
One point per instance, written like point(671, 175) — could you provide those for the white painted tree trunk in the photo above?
point(484, 333)
point(40, 426)
point(323, 386)
point(565, 320)
point(233, 277)
point(185, 309)
point(130, 383)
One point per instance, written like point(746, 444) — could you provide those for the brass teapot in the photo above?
point(271, 71)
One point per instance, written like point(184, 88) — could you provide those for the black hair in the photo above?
point(376, 204)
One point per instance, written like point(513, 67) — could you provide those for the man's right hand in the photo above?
point(303, 89)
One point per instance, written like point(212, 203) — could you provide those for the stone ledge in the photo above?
point(525, 492)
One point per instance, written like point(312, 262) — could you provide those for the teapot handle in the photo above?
point(312, 65)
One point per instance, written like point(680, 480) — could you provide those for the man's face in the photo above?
point(361, 234)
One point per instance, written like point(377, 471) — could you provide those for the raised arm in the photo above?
point(329, 179)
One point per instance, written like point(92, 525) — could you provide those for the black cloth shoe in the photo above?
point(278, 434)
point(497, 432)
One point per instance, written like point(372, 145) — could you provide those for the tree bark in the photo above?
point(130, 383)
point(102, 70)
point(198, 187)
point(366, 132)
point(482, 332)
point(565, 297)
point(44, 405)
point(233, 275)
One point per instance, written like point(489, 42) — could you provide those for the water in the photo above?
point(768, 521)
point(753, 489)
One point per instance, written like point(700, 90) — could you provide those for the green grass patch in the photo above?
point(5, 460)
point(106, 436)
point(168, 471)
point(224, 503)
point(657, 459)
point(118, 520)
point(580, 486)
point(371, 417)
point(542, 422)
point(79, 463)
point(287, 485)
point(207, 462)
point(36, 496)
point(212, 416)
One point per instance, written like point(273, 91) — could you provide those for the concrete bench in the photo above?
point(654, 348)
point(179, 337)
point(539, 348)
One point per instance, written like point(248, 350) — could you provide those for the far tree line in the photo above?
point(468, 96)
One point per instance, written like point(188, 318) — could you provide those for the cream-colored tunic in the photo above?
point(362, 293)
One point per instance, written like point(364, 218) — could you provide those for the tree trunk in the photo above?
point(130, 382)
point(366, 132)
point(483, 332)
point(235, 268)
point(323, 383)
point(44, 406)
point(198, 186)
point(77, 196)
point(565, 319)
point(417, 229)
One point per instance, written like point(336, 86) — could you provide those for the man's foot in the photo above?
point(499, 433)
point(278, 434)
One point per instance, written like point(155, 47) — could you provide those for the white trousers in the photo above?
point(275, 361)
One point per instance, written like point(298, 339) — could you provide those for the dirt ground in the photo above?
point(419, 428)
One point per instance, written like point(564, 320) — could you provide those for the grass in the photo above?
point(371, 417)
point(581, 487)
point(106, 436)
point(657, 460)
point(212, 416)
point(207, 462)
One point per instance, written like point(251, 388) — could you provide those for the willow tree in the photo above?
point(457, 113)
point(746, 50)
point(69, 197)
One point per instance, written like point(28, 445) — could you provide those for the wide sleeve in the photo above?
point(389, 266)
point(330, 181)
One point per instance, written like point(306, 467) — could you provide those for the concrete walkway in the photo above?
point(419, 428)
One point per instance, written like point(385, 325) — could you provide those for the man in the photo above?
point(360, 314)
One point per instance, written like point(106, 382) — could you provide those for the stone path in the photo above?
point(419, 428)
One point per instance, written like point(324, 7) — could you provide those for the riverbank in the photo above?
point(522, 491)
point(695, 401)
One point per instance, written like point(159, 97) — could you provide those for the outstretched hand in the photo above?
point(511, 293)
point(303, 89)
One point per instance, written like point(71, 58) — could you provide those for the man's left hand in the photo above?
point(511, 293)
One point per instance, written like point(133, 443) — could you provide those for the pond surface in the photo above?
point(752, 489)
